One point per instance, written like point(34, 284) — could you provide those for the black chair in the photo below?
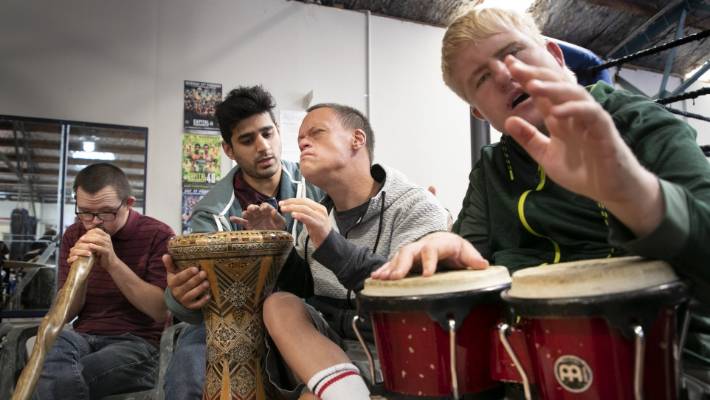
point(14, 354)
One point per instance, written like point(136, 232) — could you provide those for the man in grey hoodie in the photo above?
point(369, 212)
point(246, 198)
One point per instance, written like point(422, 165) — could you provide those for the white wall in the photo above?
point(124, 62)
point(84, 60)
point(421, 127)
point(647, 81)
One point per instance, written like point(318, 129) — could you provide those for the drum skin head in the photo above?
point(200, 246)
point(590, 278)
point(439, 283)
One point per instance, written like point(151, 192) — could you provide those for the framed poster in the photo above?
point(190, 197)
point(289, 124)
point(201, 99)
point(201, 160)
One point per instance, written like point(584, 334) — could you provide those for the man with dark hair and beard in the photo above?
point(247, 198)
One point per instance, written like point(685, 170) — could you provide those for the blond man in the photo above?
point(579, 173)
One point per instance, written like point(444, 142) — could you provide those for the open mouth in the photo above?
point(520, 99)
point(265, 161)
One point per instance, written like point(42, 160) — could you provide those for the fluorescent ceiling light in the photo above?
point(93, 155)
point(88, 146)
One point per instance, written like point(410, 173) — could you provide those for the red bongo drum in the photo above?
point(594, 329)
point(433, 333)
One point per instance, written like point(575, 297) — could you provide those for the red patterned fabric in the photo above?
point(248, 195)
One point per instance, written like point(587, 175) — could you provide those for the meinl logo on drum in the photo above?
point(573, 373)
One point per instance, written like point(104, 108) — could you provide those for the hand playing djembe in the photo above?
point(260, 217)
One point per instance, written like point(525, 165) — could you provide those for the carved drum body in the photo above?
point(242, 268)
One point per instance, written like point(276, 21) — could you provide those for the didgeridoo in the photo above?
point(51, 325)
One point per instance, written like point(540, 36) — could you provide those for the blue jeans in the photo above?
point(185, 375)
point(81, 366)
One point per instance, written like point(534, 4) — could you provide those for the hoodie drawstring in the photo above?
point(374, 248)
point(377, 241)
point(379, 227)
point(300, 194)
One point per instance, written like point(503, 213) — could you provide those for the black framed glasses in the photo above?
point(106, 216)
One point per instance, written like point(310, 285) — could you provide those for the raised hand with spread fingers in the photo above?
point(260, 217)
point(582, 150)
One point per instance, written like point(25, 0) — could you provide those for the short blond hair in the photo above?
point(480, 23)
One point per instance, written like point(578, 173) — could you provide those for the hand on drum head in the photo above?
point(440, 247)
point(189, 286)
point(261, 217)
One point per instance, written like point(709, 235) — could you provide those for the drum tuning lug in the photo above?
point(638, 361)
point(503, 330)
point(452, 357)
point(366, 348)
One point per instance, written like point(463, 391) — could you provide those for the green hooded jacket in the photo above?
point(515, 216)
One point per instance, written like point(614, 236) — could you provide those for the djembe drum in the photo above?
point(242, 268)
point(593, 329)
point(433, 333)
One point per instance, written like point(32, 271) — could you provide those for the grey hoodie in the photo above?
point(400, 213)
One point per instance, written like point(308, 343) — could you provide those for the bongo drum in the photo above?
point(242, 268)
point(433, 333)
point(593, 329)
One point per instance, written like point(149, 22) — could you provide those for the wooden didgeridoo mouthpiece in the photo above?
point(51, 325)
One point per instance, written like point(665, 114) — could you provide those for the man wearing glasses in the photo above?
point(113, 346)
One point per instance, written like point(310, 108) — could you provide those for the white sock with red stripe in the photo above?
point(341, 381)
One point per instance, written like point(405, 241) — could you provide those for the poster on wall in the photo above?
point(190, 197)
point(201, 99)
point(201, 160)
point(289, 123)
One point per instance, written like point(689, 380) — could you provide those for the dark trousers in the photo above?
point(83, 367)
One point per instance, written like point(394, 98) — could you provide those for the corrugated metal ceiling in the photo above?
point(598, 25)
